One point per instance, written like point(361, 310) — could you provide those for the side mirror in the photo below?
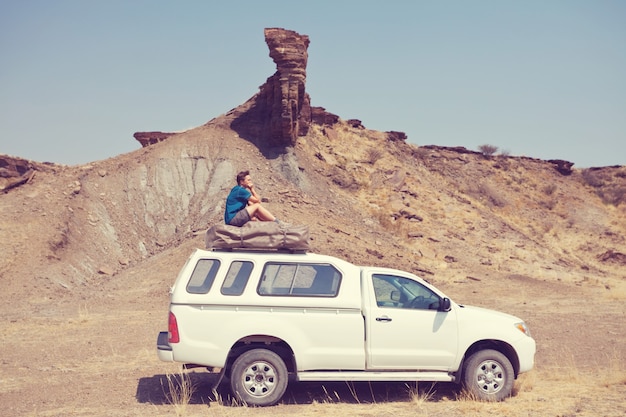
point(445, 305)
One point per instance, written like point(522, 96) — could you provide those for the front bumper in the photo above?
point(526, 349)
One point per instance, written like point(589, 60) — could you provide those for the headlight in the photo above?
point(522, 327)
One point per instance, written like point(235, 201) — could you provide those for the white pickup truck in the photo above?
point(259, 317)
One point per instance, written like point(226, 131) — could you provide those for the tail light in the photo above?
point(172, 328)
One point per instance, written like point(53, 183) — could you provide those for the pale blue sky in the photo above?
point(545, 79)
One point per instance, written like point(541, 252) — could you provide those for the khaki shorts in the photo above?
point(242, 217)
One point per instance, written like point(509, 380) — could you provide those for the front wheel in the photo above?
point(488, 375)
point(259, 377)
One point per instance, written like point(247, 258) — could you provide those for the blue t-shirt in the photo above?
point(236, 200)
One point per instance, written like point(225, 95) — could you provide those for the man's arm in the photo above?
point(254, 198)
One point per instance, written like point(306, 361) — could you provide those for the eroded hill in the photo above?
point(447, 213)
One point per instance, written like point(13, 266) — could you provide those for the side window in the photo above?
point(400, 292)
point(203, 276)
point(308, 280)
point(387, 294)
point(237, 278)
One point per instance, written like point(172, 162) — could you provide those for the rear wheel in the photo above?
point(488, 375)
point(259, 377)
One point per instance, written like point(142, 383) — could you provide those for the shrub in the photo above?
point(614, 196)
point(549, 204)
point(386, 219)
point(503, 162)
point(488, 150)
point(549, 189)
point(420, 153)
point(592, 178)
point(373, 155)
point(492, 195)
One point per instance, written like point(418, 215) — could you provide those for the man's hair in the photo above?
point(242, 176)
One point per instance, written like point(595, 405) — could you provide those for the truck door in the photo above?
point(405, 329)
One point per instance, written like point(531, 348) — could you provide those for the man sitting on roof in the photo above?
point(244, 204)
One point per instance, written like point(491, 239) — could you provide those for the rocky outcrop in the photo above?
point(456, 149)
point(150, 138)
point(395, 136)
point(320, 116)
point(612, 256)
point(289, 103)
point(564, 167)
point(281, 111)
point(14, 171)
point(355, 123)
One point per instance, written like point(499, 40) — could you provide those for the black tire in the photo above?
point(488, 375)
point(259, 378)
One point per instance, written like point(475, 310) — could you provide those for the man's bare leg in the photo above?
point(260, 212)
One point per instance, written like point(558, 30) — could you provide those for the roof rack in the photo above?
point(260, 250)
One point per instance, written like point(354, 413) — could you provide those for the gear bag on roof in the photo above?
point(258, 235)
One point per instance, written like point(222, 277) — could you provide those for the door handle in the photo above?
point(384, 318)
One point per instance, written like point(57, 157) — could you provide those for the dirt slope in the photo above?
point(87, 254)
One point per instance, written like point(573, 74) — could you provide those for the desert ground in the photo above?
point(93, 354)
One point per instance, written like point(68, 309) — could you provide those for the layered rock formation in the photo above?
point(290, 104)
point(280, 111)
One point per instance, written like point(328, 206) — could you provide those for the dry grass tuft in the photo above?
point(419, 398)
point(330, 398)
point(179, 391)
point(83, 313)
point(616, 371)
point(525, 382)
point(567, 370)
